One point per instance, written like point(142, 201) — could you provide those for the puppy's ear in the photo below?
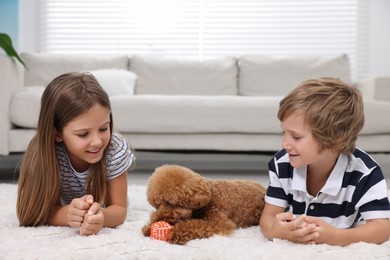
point(201, 195)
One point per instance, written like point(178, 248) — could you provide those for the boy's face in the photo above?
point(86, 137)
point(299, 142)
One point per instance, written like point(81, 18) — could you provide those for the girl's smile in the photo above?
point(96, 152)
point(86, 137)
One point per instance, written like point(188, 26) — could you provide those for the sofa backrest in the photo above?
point(184, 76)
point(43, 68)
point(261, 75)
point(248, 75)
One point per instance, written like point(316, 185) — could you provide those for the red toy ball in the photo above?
point(161, 230)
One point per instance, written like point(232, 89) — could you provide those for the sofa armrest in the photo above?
point(375, 88)
point(11, 81)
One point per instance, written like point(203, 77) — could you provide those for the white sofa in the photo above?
point(163, 103)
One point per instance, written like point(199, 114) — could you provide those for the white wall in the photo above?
point(380, 38)
point(379, 49)
point(27, 26)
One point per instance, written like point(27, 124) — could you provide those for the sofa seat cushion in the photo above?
point(191, 114)
point(169, 114)
point(174, 76)
point(195, 114)
point(262, 75)
point(42, 68)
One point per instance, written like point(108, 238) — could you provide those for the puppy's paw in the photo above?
point(180, 235)
point(146, 230)
point(177, 239)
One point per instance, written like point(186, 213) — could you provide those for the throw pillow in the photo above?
point(116, 82)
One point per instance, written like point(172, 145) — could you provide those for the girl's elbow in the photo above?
point(122, 216)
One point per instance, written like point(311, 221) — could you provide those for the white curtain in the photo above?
point(205, 28)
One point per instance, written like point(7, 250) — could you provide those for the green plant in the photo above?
point(6, 45)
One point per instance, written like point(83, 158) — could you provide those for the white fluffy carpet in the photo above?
point(127, 242)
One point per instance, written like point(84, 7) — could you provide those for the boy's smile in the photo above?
point(302, 148)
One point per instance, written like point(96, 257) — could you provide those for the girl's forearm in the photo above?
point(114, 215)
point(58, 216)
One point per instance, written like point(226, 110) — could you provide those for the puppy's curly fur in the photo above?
point(199, 207)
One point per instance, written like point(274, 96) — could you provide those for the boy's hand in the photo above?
point(77, 210)
point(326, 231)
point(287, 226)
point(93, 220)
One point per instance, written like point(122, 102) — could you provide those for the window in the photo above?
point(205, 28)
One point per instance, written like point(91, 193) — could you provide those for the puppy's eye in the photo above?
point(169, 204)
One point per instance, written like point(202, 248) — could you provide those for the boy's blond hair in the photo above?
point(332, 109)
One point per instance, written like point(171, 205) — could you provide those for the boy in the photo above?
point(322, 189)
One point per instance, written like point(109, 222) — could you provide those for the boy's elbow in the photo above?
point(386, 233)
point(264, 227)
point(380, 232)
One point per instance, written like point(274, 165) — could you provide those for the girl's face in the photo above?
point(86, 137)
point(300, 144)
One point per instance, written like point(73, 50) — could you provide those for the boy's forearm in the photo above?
point(376, 232)
point(265, 226)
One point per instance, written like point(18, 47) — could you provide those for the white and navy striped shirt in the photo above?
point(72, 183)
point(355, 190)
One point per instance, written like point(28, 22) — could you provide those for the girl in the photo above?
point(322, 188)
point(74, 171)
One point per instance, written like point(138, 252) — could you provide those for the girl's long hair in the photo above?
point(65, 98)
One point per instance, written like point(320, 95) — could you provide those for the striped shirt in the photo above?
point(72, 183)
point(355, 190)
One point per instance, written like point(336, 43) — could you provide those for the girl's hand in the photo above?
point(77, 210)
point(287, 226)
point(93, 220)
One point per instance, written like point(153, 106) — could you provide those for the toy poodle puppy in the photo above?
point(198, 207)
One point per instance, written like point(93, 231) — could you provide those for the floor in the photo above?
point(217, 165)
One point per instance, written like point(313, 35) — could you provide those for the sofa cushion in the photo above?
point(116, 82)
point(25, 106)
point(190, 114)
point(42, 68)
point(375, 114)
point(377, 88)
point(171, 76)
point(262, 75)
point(195, 114)
point(215, 114)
